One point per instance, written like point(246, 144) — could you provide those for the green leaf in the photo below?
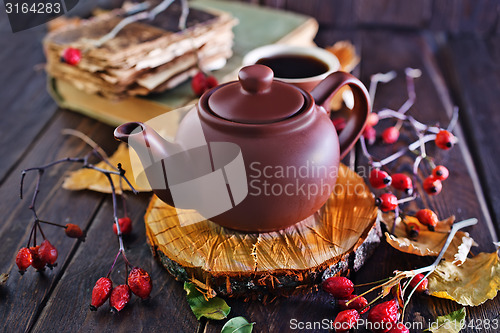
point(213, 308)
point(237, 325)
point(451, 323)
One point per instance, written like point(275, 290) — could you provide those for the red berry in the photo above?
point(432, 186)
point(444, 140)
point(372, 119)
point(211, 82)
point(338, 286)
point(199, 83)
point(427, 217)
point(72, 56)
point(74, 231)
point(48, 253)
point(101, 292)
point(140, 282)
point(339, 123)
point(422, 287)
point(413, 230)
point(399, 328)
point(402, 182)
point(383, 317)
point(440, 172)
point(370, 134)
point(38, 263)
point(390, 135)
point(345, 320)
point(125, 226)
point(358, 304)
point(24, 259)
point(119, 297)
point(387, 202)
point(379, 179)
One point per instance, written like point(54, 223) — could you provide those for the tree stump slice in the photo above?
point(337, 238)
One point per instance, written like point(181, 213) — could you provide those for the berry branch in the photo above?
point(39, 256)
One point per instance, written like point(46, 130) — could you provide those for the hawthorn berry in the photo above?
point(38, 263)
point(339, 123)
point(383, 316)
point(345, 320)
point(100, 293)
point(48, 253)
point(427, 217)
point(71, 56)
point(74, 231)
point(372, 119)
point(402, 182)
point(387, 202)
point(432, 186)
point(370, 134)
point(413, 230)
point(357, 304)
point(201, 83)
point(399, 328)
point(120, 296)
point(422, 287)
point(390, 135)
point(338, 286)
point(211, 82)
point(140, 282)
point(379, 179)
point(24, 259)
point(125, 226)
point(440, 172)
point(444, 140)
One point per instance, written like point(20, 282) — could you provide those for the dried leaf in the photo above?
point(346, 53)
point(213, 308)
point(473, 283)
point(3, 278)
point(428, 243)
point(450, 323)
point(88, 179)
point(237, 325)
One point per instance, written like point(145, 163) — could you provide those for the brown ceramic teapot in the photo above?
point(271, 145)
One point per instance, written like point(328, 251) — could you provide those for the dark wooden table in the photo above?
point(461, 70)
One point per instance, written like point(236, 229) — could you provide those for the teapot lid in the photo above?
point(256, 98)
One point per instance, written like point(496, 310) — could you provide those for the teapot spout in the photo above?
point(147, 143)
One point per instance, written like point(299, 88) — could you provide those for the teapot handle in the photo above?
point(355, 124)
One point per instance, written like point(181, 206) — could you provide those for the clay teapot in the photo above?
point(271, 153)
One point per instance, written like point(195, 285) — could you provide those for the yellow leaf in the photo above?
point(473, 283)
point(428, 243)
point(346, 53)
point(88, 179)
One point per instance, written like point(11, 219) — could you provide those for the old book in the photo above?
point(257, 26)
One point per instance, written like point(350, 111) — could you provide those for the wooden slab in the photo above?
point(283, 262)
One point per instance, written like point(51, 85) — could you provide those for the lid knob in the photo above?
point(256, 78)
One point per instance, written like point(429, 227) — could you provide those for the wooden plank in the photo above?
point(382, 52)
point(393, 13)
point(472, 70)
point(67, 308)
point(55, 204)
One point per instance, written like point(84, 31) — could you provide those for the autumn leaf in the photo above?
point(428, 243)
point(3, 278)
point(88, 179)
point(473, 283)
point(237, 325)
point(450, 323)
point(212, 308)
